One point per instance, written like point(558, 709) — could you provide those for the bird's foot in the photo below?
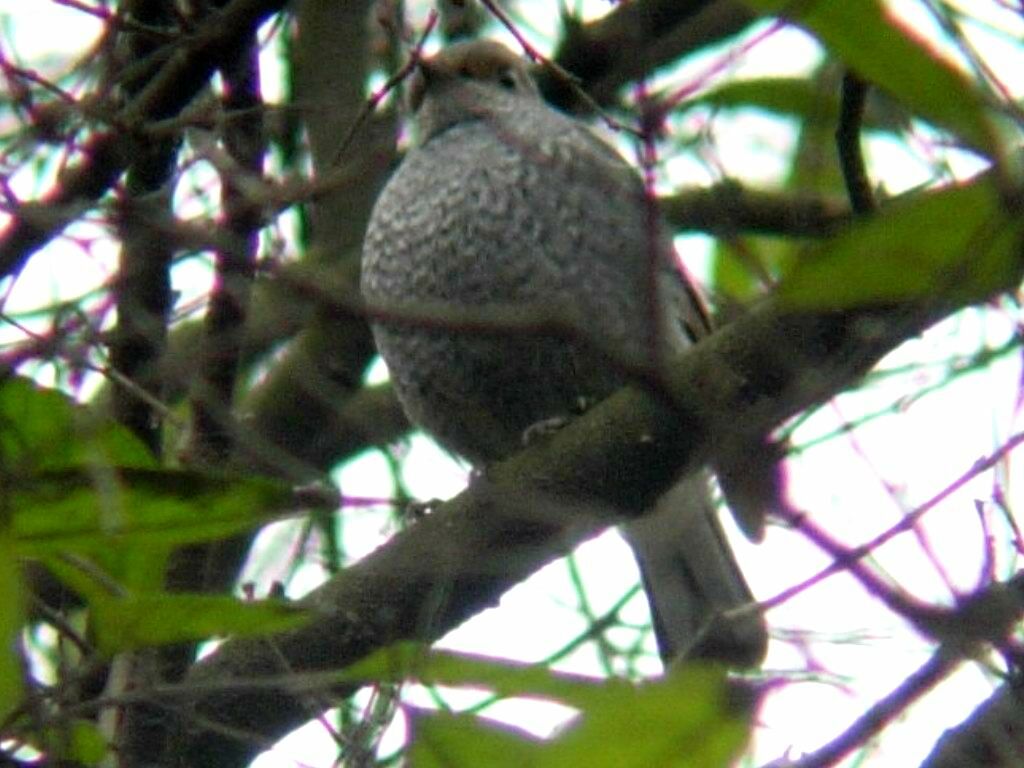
point(543, 428)
point(546, 427)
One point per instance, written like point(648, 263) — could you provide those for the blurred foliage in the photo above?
point(686, 717)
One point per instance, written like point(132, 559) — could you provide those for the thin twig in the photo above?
point(104, 156)
point(117, 19)
point(853, 554)
point(560, 72)
point(879, 716)
point(392, 82)
point(851, 155)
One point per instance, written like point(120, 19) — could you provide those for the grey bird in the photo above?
point(507, 203)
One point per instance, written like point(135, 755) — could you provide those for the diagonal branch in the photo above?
point(757, 371)
point(991, 737)
point(635, 39)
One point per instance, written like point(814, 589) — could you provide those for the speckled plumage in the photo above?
point(507, 204)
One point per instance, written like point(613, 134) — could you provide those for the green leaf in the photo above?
point(124, 624)
point(75, 483)
point(741, 266)
point(785, 96)
point(440, 740)
point(128, 521)
point(885, 52)
point(94, 510)
point(79, 742)
point(42, 429)
point(411, 660)
point(88, 744)
point(958, 244)
point(814, 170)
point(685, 718)
point(12, 619)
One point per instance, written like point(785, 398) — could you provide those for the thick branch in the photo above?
point(991, 737)
point(730, 209)
point(758, 371)
point(144, 302)
point(235, 267)
point(635, 39)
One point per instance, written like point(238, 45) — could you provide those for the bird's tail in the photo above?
point(692, 580)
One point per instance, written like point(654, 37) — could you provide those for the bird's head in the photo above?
point(467, 81)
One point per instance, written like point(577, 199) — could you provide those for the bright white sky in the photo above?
point(855, 486)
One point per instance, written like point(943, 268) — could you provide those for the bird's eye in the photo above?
point(506, 80)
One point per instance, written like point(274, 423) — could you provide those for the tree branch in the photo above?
point(105, 155)
point(938, 666)
point(848, 143)
point(221, 350)
point(757, 371)
point(991, 737)
point(635, 39)
point(731, 209)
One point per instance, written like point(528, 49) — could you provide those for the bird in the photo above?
point(505, 202)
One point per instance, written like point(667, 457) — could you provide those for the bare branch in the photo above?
point(105, 155)
point(851, 155)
